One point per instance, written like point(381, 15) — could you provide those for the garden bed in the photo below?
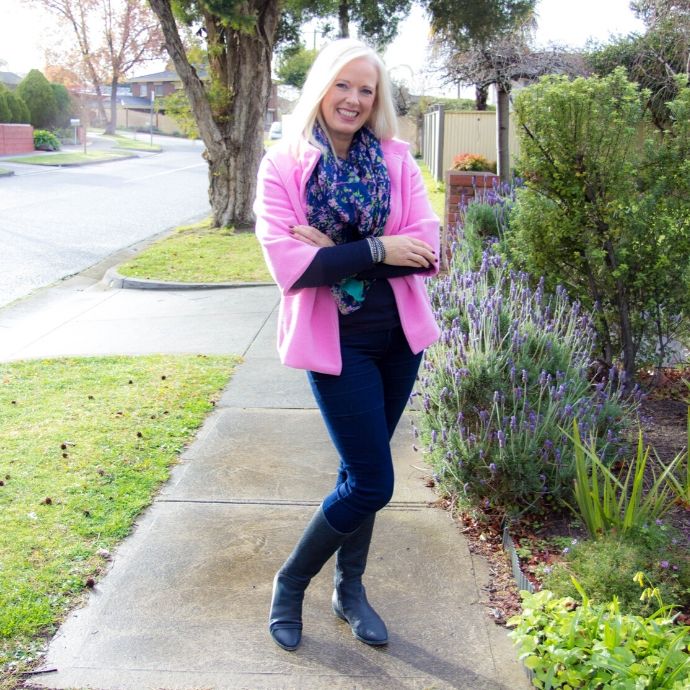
point(540, 543)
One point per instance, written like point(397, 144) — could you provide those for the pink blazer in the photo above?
point(308, 331)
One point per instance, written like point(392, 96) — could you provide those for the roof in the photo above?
point(167, 75)
point(10, 78)
point(137, 102)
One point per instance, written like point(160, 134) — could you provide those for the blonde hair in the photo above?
point(328, 64)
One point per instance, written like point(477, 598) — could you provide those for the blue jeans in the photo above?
point(361, 408)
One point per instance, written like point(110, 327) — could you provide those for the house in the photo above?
point(10, 80)
point(146, 89)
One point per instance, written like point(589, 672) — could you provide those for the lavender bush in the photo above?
point(509, 373)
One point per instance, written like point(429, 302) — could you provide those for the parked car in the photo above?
point(276, 130)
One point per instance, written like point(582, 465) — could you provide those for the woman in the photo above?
point(348, 233)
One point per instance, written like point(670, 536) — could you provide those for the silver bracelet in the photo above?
point(378, 251)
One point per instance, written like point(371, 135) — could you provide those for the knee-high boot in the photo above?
point(349, 598)
point(317, 544)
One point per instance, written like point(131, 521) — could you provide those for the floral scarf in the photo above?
point(349, 200)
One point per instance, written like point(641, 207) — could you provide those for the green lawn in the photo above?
point(435, 190)
point(69, 158)
point(130, 144)
point(201, 253)
point(86, 443)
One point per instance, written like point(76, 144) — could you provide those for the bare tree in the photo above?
point(502, 62)
point(112, 36)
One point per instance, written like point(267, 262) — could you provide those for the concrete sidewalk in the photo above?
point(185, 603)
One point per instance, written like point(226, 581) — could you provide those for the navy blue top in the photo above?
point(332, 264)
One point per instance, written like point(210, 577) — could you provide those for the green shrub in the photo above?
point(64, 106)
point(595, 646)
point(45, 141)
point(507, 375)
point(603, 212)
point(35, 90)
point(20, 113)
point(480, 219)
point(606, 566)
point(5, 113)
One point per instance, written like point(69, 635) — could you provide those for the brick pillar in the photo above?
point(461, 185)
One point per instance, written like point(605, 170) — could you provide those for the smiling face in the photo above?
point(349, 101)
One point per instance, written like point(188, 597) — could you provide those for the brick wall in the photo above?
point(16, 139)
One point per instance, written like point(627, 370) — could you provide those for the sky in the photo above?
point(25, 31)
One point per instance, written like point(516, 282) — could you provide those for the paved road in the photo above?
point(55, 222)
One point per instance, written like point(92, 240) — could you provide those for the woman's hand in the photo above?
point(403, 250)
point(310, 235)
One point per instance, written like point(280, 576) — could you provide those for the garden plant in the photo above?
point(570, 644)
point(605, 208)
point(507, 396)
point(473, 162)
point(510, 372)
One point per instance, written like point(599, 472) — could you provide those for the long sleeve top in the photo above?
point(308, 323)
point(332, 264)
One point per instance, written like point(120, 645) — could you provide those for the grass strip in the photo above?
point(69, 158)
point(200, 253)
point(133, 144)
point(86, 443)
point(435, 190)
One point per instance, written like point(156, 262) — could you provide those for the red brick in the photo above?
point(16, 139)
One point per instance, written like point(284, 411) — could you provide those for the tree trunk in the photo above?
point(481, 95)
point(112, 125)
point(343, 19)
point(232, 130)
point(502, 141)
point(624, 323)
point(604, 331)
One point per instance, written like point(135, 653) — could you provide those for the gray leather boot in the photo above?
point(349, 598)
point(317, 544)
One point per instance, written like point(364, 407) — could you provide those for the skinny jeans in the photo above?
point(361, 408)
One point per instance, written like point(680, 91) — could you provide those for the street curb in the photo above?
point(114, 279)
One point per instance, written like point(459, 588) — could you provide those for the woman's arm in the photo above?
point(419, 223)
point(332, 264)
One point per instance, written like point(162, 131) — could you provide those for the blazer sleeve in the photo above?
point(418, 218)
point(277, 207)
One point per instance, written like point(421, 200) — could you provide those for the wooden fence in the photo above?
point(446, 134)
